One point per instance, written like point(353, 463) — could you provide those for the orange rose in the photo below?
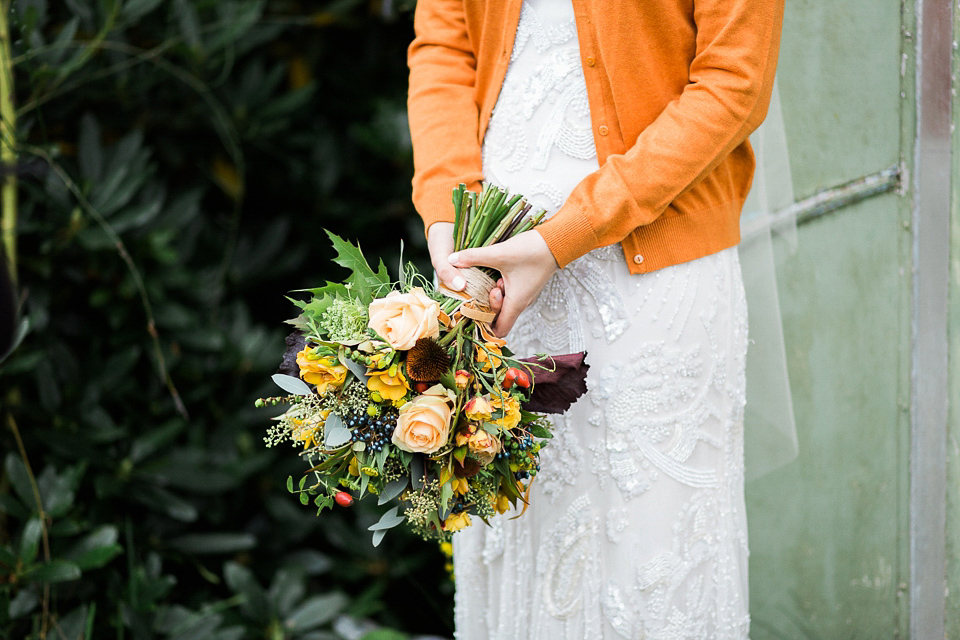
point(403, 318)
point(423, 425)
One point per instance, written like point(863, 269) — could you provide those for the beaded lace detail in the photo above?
point(636, 527)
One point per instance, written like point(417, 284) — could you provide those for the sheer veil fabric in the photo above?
point(768, 232)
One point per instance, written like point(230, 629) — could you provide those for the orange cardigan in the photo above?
point(675, 88)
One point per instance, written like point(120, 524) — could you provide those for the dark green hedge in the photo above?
point(178, 161)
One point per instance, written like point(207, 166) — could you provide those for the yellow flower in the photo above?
point(457, 521)
point(306, 432)
point(462, 379)
point(511, 410)
point(325, 372)
point(487, 355)
point(501, 503)
point(389, 387)
point(354, 468)
point(460, 485)
point(478, 408)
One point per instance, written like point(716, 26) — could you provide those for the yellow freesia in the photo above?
point(389, 387)
point(325, 372)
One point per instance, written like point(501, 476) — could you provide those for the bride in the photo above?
point(629, 121)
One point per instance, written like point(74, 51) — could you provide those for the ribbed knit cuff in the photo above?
point(568, 235)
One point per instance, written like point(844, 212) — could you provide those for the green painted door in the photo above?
point(840, 539)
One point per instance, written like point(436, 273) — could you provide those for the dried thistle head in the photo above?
point(427, 361)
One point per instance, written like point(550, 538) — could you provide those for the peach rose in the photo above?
point(484, 446)
point(423, 425)
point(403, 318)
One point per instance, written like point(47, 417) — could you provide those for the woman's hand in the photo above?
point(524, 261)
point(440, 246)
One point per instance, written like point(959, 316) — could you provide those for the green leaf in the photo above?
point(8, 559)
point(286, 590)
point(17, 474)
point(133, 10)
point(363, 281)
point(539, 431)
point(290, 484)
point(206, 543)
point(90, 150)
point(30, 540)
point(240, 580)
point(96, 549)
point(13, 507)
point(315, 612)
point(24, 602)
point(189, 23)
point(385, 634)
point(53, 571)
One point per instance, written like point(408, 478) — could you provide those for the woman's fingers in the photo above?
point(496, 297)
point(440, 244)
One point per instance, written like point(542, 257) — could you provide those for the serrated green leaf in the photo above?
point(363, 281)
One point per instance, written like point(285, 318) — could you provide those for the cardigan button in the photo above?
point(604, 130)
point(638, 259)
point(591, 61)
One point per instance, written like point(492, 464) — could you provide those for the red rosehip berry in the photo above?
point(343, 499)
point(510, 377)
point(523, 379)
point(421, 387)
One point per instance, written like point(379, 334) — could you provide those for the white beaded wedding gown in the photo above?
point(636, 527)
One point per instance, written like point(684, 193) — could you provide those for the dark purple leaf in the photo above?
point(557, 382)
point(295, 344)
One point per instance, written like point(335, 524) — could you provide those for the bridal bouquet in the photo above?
point(400, 389)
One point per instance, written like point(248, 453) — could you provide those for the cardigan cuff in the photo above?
point(568, 235)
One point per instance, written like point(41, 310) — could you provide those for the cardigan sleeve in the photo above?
point(442, 108)
point(726, 99)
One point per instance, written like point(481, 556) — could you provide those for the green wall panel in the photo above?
point(826, 532)
point(839, 79)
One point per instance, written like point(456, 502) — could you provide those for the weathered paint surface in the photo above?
point(839, 75)
point(953, 328)
point(829, 533)
point(826, 532)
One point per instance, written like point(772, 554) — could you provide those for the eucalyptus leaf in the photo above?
point(335, 432)
point(388, 520)
point(296, 386)
point(355, 367)
point(392, 489)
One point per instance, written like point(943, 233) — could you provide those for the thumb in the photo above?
point(450, 276)
point(479, 257)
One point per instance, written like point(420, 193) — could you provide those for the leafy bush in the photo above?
point(177, 162)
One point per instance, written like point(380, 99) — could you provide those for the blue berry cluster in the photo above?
point(375, 431)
